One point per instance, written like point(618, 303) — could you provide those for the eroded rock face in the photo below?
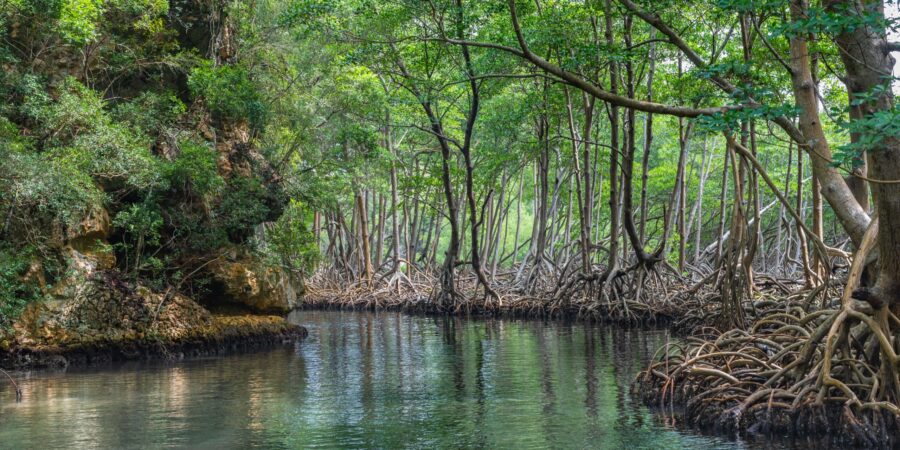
point(99, 307)
point(87, 243)
point(107, 319)
point(249, 282)
point(80, 268)
point(234, 150)
point(85, 250)
point(106, 304)
point(95, 225)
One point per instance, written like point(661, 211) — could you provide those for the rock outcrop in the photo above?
point(88, 242)
point(81, 302)
point(247, 281)
point(104, 318)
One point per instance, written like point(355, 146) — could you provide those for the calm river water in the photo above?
point(383, 380)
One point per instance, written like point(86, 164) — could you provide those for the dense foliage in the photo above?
point(127, 128)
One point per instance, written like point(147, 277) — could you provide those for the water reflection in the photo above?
point(364, 380)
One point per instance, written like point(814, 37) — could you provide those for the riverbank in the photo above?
point(105, 320)
point(224, 335)
point(600, 313)
point(796, 369)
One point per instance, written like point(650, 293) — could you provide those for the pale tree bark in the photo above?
point(582, 176)
point(852, 216)
point(395, 198)
point(364, 237)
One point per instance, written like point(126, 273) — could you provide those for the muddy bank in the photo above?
point(658, 304)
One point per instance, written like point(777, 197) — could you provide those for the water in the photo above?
point(382, 380)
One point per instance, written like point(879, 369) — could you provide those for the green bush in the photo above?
point(78, 20)
point(15, 291)
point(148, 14)
point(244, 204)
point(37, 190)
point(228, 92)
point(10, 139)
point(150, 112)
point(289, 242)
point(80, 134)
point(242, 207)
point(115, 157)
point(75, 110)
point(140, 224)
point(195, 169)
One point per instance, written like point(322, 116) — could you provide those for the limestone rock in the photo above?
point(234, 148)
point(80, 267)
point(35, 275)
point(92, 227)
point(88, 241)
point(100, 306)
point(247, 281)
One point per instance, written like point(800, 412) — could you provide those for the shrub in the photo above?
point(195, 169)
point(228, 92)
point(140, 224)
point(37, 190)
point(150, 112)
point(78, 20)
point(79, 133)
point(16, 292)
point(289, 242)
point(243, 206)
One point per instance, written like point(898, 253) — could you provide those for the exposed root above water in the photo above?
point(800, 367)
point(792, 371)
point(583, 298)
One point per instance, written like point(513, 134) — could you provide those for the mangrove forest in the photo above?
point(449, 224)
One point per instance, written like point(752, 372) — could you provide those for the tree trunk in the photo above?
point(582, 177)
point(364, 237)
point(614, 150)
point(395, 225)
point(869, 67)
point(648, 140)
point(854, 219)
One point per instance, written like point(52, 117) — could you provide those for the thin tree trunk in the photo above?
point(648, 139)
point(518, 218)
point(614, 148)
point(722, 197)
point(364, 237)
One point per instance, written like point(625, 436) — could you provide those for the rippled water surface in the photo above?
point(364, 380)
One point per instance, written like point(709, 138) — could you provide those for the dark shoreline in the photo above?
point(225, 340)
point(601, 315)
point(240, 338)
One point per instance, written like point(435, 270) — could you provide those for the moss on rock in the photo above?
point(109, 319)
